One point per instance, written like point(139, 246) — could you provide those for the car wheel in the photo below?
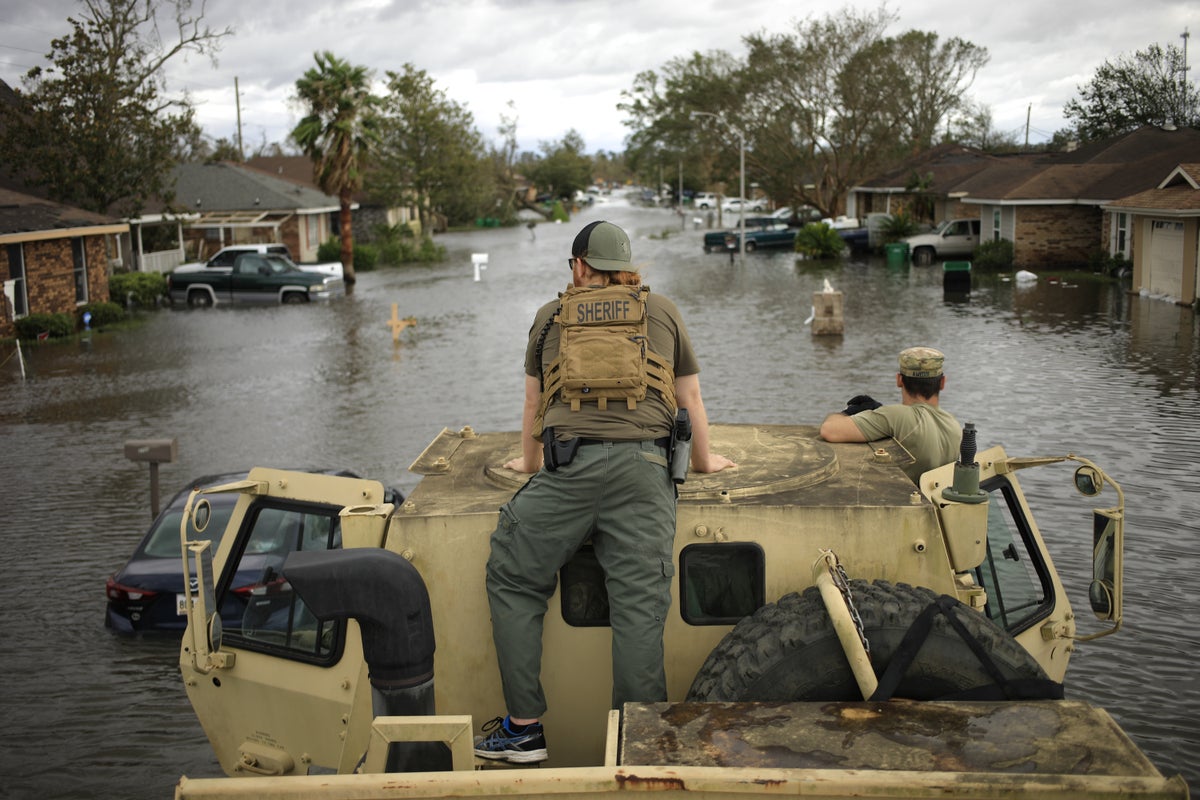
point(751, 246)
point(923, 255)
point(199, 299)
point(294, 298)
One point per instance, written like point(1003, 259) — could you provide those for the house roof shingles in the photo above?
point(225, 186)
point(24, 217)
point(1178, 194)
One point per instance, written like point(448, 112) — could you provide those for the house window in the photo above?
point(996, 224)
point(16, 273)
point(1120, 234)
point(79, 256)
point(312, 232)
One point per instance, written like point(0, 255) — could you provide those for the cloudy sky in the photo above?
point(564, 63)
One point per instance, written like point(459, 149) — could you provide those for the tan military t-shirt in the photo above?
point(930, 435)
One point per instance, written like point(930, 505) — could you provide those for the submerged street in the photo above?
point(1049, 368)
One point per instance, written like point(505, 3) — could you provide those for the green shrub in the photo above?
point(996, 254)
point(430, 252)
point(818, 240)
point(559, 212)
point(408, 251)
point(330, 250)
point(31, 326)
point(1114, 266)
point(102, 314)
point(895, 227)
point(143, 289)
point(366, 257)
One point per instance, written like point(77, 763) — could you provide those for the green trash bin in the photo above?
point(956, 276)
point(897, 252)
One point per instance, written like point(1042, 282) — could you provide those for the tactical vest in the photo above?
point(604, 352)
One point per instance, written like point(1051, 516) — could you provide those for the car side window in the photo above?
point(259, 609)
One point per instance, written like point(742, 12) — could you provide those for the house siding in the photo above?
point(1055, 236)
point(50, 277)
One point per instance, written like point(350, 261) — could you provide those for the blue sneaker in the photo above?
point(501, 744)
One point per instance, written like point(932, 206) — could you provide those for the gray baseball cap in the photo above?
point(604, 247)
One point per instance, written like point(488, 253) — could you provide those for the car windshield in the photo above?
point(281, 264)
point(163, 541)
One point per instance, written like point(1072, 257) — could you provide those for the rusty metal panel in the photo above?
point(1028, 737)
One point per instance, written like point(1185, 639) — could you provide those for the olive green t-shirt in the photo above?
point(652, 418)
point(931, 436)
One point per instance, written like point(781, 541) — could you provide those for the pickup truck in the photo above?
point(252, 278)
point(954, 237)
point(226, 256)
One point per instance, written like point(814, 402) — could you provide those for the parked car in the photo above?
point(805, 215)
point(955, 237)
point(227, 255)
point(147, 593)
point(254, 278)
point(734, 205)
point(761, 233)
point(705, 200)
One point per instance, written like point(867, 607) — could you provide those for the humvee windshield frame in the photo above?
point(1020, 591)
point(274, 618)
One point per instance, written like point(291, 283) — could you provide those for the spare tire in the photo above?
point(788, 651)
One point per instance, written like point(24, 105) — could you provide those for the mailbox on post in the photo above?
point(154, 451)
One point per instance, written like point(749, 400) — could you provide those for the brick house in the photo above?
point(230, 203)
point(1051, 206)
point(1164, 227)
point(53, 258)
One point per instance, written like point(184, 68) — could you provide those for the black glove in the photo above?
point(860, 402)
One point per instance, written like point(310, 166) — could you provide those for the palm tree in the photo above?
point(337, 134)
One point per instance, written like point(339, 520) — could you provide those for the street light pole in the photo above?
point(741, 179)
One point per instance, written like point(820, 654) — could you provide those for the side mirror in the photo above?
point(1088, 481)
point(1108, 534)
point(201, 515)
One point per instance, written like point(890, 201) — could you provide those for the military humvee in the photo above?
point(820, 600)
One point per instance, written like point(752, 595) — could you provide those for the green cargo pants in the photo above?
point(620, 495)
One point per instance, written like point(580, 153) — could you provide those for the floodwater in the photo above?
point(1047, 369)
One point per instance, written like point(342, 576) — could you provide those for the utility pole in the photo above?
point(237, 96)
point(1183, 85)
point(1028, 109)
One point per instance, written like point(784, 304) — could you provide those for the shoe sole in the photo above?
point(514, 756)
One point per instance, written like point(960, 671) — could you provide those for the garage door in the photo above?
point(1166, 258)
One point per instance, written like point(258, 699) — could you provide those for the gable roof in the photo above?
point(224, 186)
point(25, 218)
point(1177, 195)
point(947, 165)
point(1094, 174)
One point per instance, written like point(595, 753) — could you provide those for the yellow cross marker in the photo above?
point(397, 324)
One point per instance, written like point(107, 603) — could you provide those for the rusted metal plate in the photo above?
point(1037, 737)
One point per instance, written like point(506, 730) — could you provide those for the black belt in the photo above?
point(663, 442)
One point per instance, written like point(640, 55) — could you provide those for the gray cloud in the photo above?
point(564, 63)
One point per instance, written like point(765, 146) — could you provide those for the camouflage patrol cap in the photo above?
point(604, 246)
point(921, 362)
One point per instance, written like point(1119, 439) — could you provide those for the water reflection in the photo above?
point(1041, 369)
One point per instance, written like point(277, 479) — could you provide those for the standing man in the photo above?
point(929, 434)
point(606, 366)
